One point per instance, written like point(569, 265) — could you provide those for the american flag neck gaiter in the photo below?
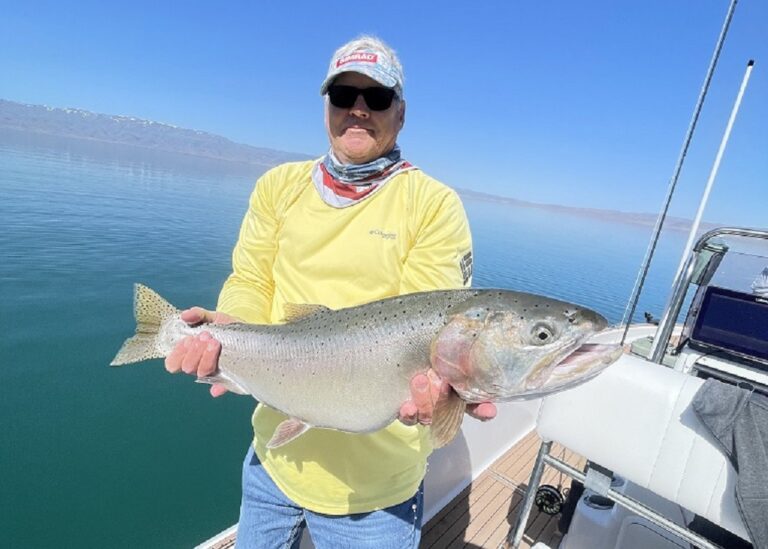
point(342, 185)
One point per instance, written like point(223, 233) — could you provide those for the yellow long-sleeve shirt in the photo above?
point(411, 235)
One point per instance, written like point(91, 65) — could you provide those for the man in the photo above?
point(357, 225)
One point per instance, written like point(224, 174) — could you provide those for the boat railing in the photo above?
point(701, 264)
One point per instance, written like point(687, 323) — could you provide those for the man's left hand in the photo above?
point(426, 390)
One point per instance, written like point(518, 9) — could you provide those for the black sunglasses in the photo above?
point(377, 99)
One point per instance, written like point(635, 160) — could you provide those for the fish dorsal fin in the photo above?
point(288, 430)
point(297, 311)
point(446, 419)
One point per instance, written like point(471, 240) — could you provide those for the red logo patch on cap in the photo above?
point(357, 58)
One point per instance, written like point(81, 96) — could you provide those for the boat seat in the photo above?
point(636, 419)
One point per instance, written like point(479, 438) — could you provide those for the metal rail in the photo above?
point(516, 535)
point(680, 289)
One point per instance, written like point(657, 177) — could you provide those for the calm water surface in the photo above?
point(133, 457)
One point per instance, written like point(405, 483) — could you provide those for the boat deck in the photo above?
point(485, 512)
point(482, 515)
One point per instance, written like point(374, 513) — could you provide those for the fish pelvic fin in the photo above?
point(222, 379)
point(150, 311)
point(288, 430)
point(446, 419)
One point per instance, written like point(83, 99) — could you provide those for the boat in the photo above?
point(635, 417)
point(622, 461)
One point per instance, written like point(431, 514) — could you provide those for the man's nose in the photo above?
point(360, 108)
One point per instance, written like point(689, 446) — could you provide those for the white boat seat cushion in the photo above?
point(636, 419)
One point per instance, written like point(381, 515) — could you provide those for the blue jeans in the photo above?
point(270, 520)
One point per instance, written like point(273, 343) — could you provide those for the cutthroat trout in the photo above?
point(350, 369)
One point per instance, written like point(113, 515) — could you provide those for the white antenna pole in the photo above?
point(713, 172)
point(668, 319)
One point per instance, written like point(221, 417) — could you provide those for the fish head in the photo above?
point(519, 346)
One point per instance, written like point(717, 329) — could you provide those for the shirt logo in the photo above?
point(466, 267)
point(383, 234)
point(357, 58)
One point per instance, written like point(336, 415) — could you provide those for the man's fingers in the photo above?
point(409, 413)
point(421, 395)
point(174, 359)
point(194, 352)
point(222, 318)
point(483, 411)
point(209, 359)
point(217, 389)
point(197, 315)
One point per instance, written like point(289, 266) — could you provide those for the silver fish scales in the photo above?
point(350, 369)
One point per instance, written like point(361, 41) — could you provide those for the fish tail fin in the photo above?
point(150, 311)
point(446, 419)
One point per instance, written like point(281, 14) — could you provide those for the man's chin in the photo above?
point(356, 153)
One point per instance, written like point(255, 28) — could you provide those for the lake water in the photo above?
point(133, 457)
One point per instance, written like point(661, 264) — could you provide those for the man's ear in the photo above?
point(402, 114)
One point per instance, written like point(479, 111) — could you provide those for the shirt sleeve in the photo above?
point(247, 293)
point(441, 253)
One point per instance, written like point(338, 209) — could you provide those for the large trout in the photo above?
point(350, 369)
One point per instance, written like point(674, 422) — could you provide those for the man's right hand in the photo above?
point(199, 355)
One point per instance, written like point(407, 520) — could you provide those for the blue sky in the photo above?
point(576, 103)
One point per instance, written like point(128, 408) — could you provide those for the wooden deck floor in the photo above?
point(483, 514)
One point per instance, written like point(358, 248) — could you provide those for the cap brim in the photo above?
point(383, 79)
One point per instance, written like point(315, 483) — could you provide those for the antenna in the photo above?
point(629, 312)
point(669, 317)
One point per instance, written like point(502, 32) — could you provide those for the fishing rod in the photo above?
point(629, 312)
point(667, 322)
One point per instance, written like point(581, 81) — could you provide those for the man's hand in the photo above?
point(426, 390)
point(199, 355)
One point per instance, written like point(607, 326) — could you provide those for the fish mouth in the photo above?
point(584, 363)
point(592, 350)
point(572, 365)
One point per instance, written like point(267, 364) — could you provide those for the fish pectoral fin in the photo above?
point(297, 311)
point(220, 379)
point(446, 419)
point(287, 431)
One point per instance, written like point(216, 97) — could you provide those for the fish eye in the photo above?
point(541, 334)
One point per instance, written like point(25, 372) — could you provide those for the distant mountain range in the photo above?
point(649, 220)
point(126, 130)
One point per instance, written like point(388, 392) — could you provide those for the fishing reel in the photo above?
point(549, 499)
